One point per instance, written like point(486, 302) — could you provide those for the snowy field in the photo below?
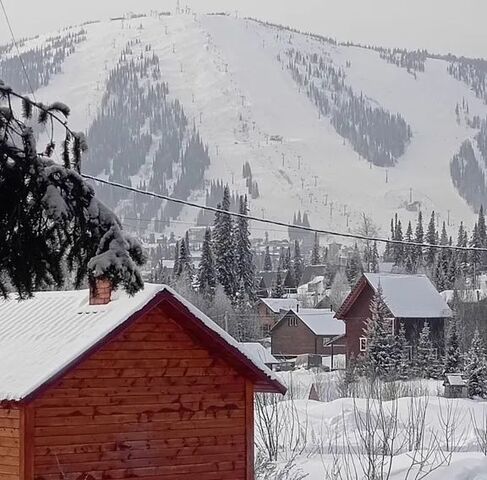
point(227, 75)
point(414, 434)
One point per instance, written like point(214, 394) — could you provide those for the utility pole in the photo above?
point(316, 180)
point(283, 159)
point(299, 162)
point(387, 175)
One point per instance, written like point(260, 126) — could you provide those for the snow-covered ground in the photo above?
point(424, 432)
point(226, 73)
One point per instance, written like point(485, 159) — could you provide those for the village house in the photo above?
point(102, 385)
point(411, 300)
point(270, 310)
point(308, 331)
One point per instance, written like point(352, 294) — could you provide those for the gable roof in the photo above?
point(406, 296)
point(41, 339)
point(320, 321)
point(278, 304)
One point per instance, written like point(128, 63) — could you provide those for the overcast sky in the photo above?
point(438, 25)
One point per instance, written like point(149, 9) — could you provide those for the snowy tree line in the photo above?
point(375, 134)
point(448, 269)
point(41, 62)
point(138, 123)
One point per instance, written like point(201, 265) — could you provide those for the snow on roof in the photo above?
point(455, 380)
point(410, 296)
point(42, 336)
point(258, 351)
point(278, 304)
point(321, 321)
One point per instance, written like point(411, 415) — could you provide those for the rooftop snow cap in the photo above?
point(100, 291)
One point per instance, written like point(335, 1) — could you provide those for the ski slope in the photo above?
point(226, 73)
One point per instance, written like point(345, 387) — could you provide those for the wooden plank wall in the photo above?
point(9, 444)
point(151, 404)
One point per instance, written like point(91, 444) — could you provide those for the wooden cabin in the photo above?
point(411, 300)
point(308, 331)
point(270, 310)
point(105, 386)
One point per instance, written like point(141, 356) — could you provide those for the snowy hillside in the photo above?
point(231, 77)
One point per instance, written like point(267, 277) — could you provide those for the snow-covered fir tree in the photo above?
point(354, 268)
point(409, 251)
point(315, 253)
point(453, 355)
point(268, 267)
point(374, 260)
point(401, 355)
point(419, 238)
point(378, 360)
point(244, 257)
point(278, 287)
point(206, 269)
point(476, 368)
point(298, 263)
point(431, 239)
point(51, 222)
point(224, 247)
point(425, 359)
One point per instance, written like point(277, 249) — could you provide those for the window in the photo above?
point(292, 322)
point(363, 344)
point(326, 341)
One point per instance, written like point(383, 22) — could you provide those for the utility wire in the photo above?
point(278, 223)
point(17, 48)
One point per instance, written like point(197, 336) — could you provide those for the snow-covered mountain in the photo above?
point(313, 119)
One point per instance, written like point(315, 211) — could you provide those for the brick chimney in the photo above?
point(100, 291)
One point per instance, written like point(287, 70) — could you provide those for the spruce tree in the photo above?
point(431, 239)
point(298, 264)
point(315, 254)
point(268, 267)
point(206, 269)
point(398, 247)
point(419, 238)
point(354, 268)
point(409, 251)
point(476, 368)
point(374, 261)
point(224, 247)
point(401, 355)
point(51, 222)
point(278, 287)
point(244, 257)
point(453, 357)
point(286, 263)
point(425, 362)
point(378, 331)
point(475, 256)
point(184, 263)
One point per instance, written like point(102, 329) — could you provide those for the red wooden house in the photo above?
point(112, 388)
point(410, 299)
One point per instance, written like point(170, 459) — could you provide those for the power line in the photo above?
point(278, 223)
point(17, 48)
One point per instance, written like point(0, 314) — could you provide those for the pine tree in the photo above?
point(176, 270)
point(315, 254)
point(51, 222)
point(354, 268)
point(298, 264)
point(475, 257)
point(400, 355)
point(419, 238)
point(278, 287)
point(462, 255)
point(425, 362)
point(431, 239)
point(286, 263)
point(453, 358)
point(378, 331)
point(398, 247)
point(244, 257)
point(206, 269)
point(476, 368)
point(224, 248)
point(374, 262)
point(268, 267)
point(184, 263)
point(409, 251)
